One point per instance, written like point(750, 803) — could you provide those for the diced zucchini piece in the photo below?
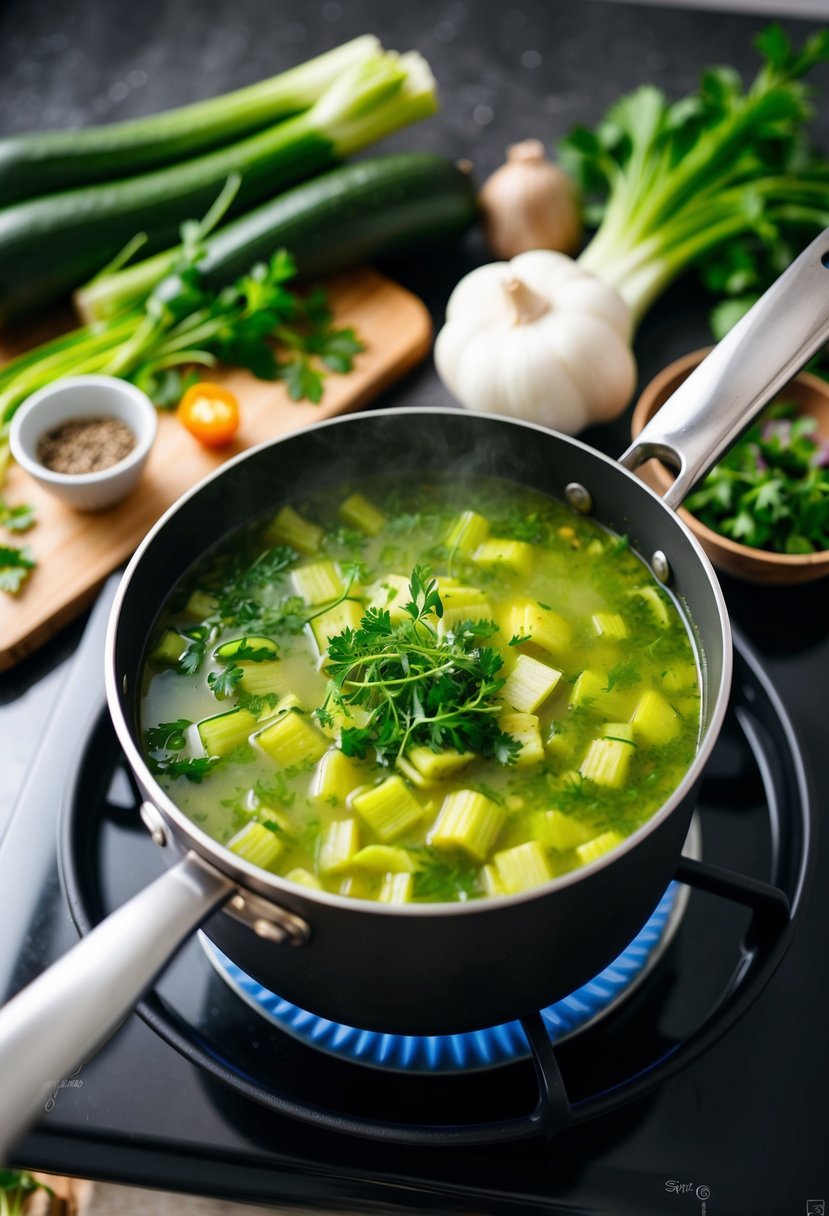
point(469, 821)
point(618, 730)
point(655, 602)
point(561, 832)
point(391, 593)
point(524, 867)
point(339, 843)
point(357, 886)
point(516, 555)
point(259, 679)
point(467, 532)
point(292, 741)
point(257, 844)
point(290, 528)
point(396, 889)
point(527, 619)
point(221, 734)
point(336, 776)
point(437, 766)
point(252, 642)
point(169, 648)
point(607, 762)
point(384, 859)
point(528, 684)
point(610, 625)
point(654, 721)
point(524, 729)
point(328, 624)
point(389, 809)
point(559, 742)
point(681, 679)
point(598, 846)
point(200, 605)
point(454, 616)
point(304, 878)
point(457, 596)
point(491, 881)
point(359, 513)
point(588, 689)
point(318, 582)
point(595, 549)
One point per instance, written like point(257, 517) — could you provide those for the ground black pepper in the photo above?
point(85, 445)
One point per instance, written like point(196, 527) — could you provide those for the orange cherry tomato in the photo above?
point(210, 413)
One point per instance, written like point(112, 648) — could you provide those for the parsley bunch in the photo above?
point(771, 490)
point(418, 688)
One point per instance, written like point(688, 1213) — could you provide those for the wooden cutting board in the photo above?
point(75, 552)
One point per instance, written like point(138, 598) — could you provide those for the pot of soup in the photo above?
point(418, 701)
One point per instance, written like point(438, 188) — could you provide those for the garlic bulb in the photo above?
point(529, 203)
point(538, 338)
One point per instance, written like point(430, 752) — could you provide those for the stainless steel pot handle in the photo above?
point(65, 1015)
point(709, 410)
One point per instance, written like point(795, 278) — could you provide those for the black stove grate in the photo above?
point(542, 1098)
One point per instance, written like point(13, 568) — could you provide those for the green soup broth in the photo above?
point(536, 704)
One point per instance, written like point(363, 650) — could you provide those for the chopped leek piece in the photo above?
point(336, 777)
point(357, 886)
point(469, 821)
point(384, 859)
point(411, 774)
point(654, 720)
point(467, 532)
point(396, 889)
point(607, 762)
point(304, 878)
point(598, 846)
point(256, 844)
point(528, 684)
point(524, 867)
point(524, 729)
point(169, 649)
point(224, 732)
point(655, 603)
point(290, 528)
point(391, 593)
point(328, 624)
point(559, 831)
point(436, 766)
point(359, 513)
point(454, 595)
point(389, 809)
point(680, 679)
point(240, 646)
point(491, 881)
point(526, 619)
point(516, 555)
point(260, 679)
point(318, 582)
point(338, 846)
point(201, 605)
point(610, 625)
point(292, 741)
point(559, 743)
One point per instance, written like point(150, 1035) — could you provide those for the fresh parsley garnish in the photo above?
point(418, 687)
point(623, 674)
point(195, 769)
point(16, 562)
point(167, 736)
point(17, 519)
point(223, 683)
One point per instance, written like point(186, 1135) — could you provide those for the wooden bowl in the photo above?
point(811, 395)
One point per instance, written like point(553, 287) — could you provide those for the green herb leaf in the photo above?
point(17, 519)
point(15, 566)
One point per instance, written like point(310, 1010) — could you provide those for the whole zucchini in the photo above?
point(385, 206)
point(40, 163)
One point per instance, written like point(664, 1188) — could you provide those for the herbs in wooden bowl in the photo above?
point(762, 513)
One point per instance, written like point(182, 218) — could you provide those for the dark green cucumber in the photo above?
point(41, 163)
point(382, 207)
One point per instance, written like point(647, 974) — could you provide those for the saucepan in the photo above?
point(414, 968)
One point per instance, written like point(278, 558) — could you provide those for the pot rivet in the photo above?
point(579, 498)
point(268, 930)
point(661, 566)
point(155, 825)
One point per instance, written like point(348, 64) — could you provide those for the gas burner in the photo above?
point(755, 817)
point(477, 1049)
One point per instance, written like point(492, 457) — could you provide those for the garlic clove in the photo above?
point(530, 203)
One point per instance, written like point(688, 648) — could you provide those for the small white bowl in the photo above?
point(85, 397)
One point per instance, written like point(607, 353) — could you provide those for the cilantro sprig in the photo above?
point(16, 562)
point(418, 687)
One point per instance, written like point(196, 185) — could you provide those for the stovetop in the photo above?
point(204, 1095)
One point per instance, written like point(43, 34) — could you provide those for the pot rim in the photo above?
point(278, 889)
